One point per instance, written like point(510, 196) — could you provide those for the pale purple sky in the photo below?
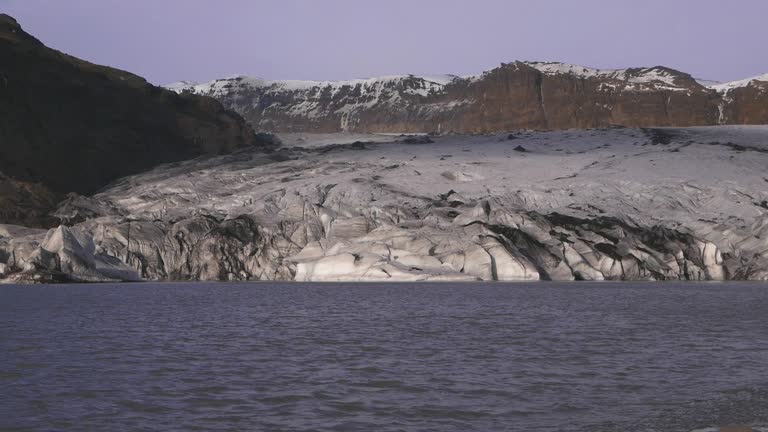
point(199, 40)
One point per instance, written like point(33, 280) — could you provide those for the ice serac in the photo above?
point(518, 95)
point(600, 204)
point(62, 254)
point(67, 125)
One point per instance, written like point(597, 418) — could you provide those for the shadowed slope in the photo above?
point(74, 126)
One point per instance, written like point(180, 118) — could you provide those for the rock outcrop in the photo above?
point(744, 101)
point(613, 204)
point(26, 203)
point(71, 126)
point(519, 95)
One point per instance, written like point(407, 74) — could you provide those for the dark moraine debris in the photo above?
point(521, 149)
point(445, 196)
point(658, 136)
point(357, 145)
point(281, 155)
point(739, 147)
point(418, 139)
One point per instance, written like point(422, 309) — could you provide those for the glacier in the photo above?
point(599, 204)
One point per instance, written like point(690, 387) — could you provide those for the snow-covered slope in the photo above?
point(707, 82)
point(726, 87)
point(639, 79)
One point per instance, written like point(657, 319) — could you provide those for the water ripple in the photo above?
point(405, 357)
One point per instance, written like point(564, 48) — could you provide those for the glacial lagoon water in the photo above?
point(384, 357)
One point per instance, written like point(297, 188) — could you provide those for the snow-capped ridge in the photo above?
point(728, 86)
point(316, 99)
point(659, 76)
point(218, 86)
point(707, 82)
point(180, 86)
point(639, 96)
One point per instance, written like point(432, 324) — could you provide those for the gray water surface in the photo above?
point(383, 357)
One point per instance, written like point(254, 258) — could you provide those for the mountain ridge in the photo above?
point(504, 98)
point(545, 66)
point(67, 125)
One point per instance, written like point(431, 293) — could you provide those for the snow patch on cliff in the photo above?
point(651, 78)
point(726, 87)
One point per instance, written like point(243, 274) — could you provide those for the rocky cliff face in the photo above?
point(27, 204)
point(743, 102)
point(70, 126)
point(519, 95)
point(618, 204)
